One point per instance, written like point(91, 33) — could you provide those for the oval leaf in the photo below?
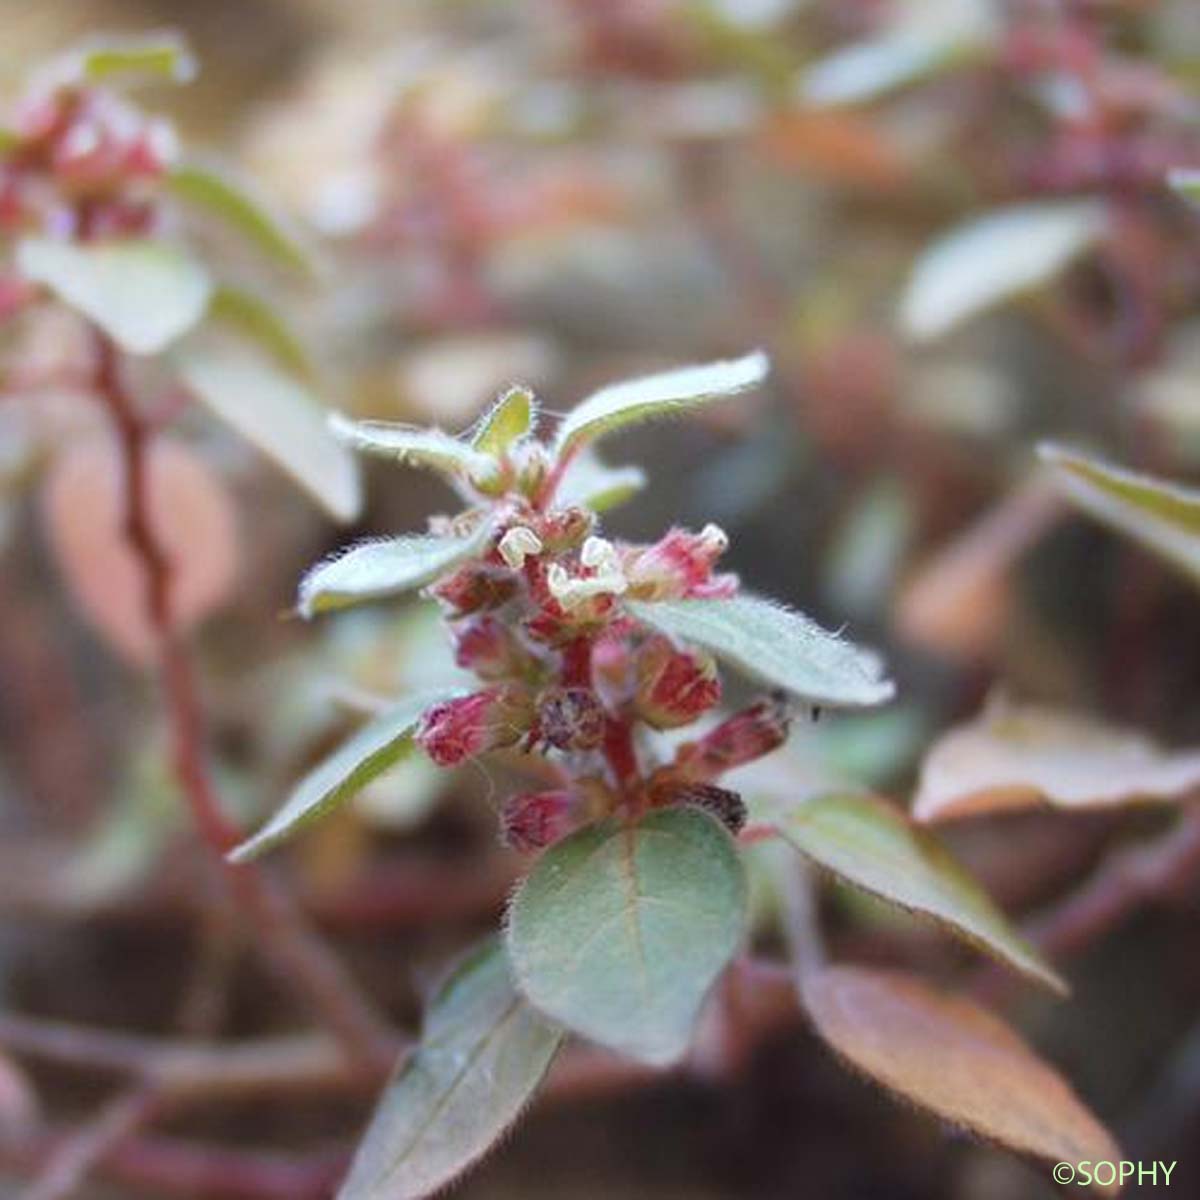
point(1164, 517)
point(416, 447)
point(234, 203)
point(282, 419)
point(775, 646)
point(509, 418)
point(993, 258)
point(371, 751)
point(258, 321)
point(1014, 756)
point(866, 842)
point(955, 1060)
point(482, 1055)
point(83, 507)
point(654, 396)
point(143, 294)
point(384, 567)
point(620, 930)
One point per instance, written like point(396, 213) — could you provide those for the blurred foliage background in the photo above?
point(565, 193)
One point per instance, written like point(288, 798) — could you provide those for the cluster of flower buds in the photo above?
point(538, 616)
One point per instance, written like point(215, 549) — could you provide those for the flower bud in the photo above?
point(489, 648)
point(745, 736)
point(680, 564)
point(532, 820)
point(566, 529)
point(571, 718)
point(674, 686)
point(473, 588)
point(467, 726)
point(726, 805)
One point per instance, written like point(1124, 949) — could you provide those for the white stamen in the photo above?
point(517, 544)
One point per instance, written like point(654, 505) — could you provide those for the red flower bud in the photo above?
point(533, 820)
point(489, 648)
point(745, 736)
point(674, 686)
point(469, 725)
point(680, 564)
point(475, 587)
point(571, 718)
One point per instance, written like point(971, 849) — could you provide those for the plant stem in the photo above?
point(296, 956)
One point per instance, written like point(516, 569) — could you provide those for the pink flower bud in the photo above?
point(680, 564)
point(488, 647)
point(674, 686)
point(745, 736)
point(474, 588)
point(565, 529)
point(470, 725)
point(533, 820)
point(571, 718)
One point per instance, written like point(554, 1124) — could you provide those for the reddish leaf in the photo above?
point(954, 1059)
point(83, 509)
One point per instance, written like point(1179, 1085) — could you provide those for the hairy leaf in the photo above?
point(282, 418)
point(657, 396)
point(589, 483)
point(866, 842)
point(1014, 756)
point(1162, 516)
point(482, 1055)
point(193, 519)
point(259, 322)
point(159, 55)
point(775, 646)
point(235, 204)
point(143, 294)
point(371, 751)
point(383, 567)
point(955, 1060)
point(993, 258)
point(620, 930)
point(416, 447)
point(509, 418)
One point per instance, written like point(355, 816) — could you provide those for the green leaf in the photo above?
point(279, 416)
point(258, 321)
point(589, 483)
point(416, 447)
point(143, 294)
point(992, 258)
point(620, 930)
point(774, 645)
point(374, 569)
point(1186, 182)
point(866, 842)
point(1162, 516)
point(366, 755)
point(482, 1055)
point(235, 203)
point(160, 55)
point(509, 418)
point(657, 396)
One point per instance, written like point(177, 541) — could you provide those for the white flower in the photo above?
point(607, 578)
point(517, 544)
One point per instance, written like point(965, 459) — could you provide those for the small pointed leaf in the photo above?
point(366, 755)
point(590, 483)
point(161, 55)
point(143, 294)
point(954, 1059)
point(866, 842)
point(415, 447)
point(509, 418)
point(655, 396)
point(235, 203)
point(992, 258)
point(383, 567)
point(774, 645)
point(1160, 515)
point(279, 416)
point(1017, 755)
point(620, 930)
point(259, 322)
point(482, 1055)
